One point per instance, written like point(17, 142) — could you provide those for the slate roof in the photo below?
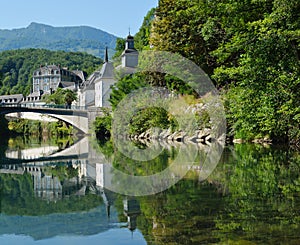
point(69, 85)
point(107, 70)
point(80, 74)
point(14, 98)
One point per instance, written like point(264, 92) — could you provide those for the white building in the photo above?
point(86, 93)
point(96, 90)
point(103, 83)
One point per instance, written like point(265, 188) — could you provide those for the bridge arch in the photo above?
point(77, 118)
point(80, 123)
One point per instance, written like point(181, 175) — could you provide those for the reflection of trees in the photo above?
point(184, 214)
point(253, 196)
point(263, 184)
point(63, 171)
point(133, 167)
point(18, 198)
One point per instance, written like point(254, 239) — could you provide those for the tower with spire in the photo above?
point(96, 89)
point(130, 54)
point(104, 82)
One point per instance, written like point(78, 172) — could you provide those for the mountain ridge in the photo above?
point(69, 38)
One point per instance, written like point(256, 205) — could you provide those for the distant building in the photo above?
point(48, 78)
point(95, 91)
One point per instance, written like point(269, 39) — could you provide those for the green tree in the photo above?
point(126, 85)
point(261, 61)
point(102, 126)
point(61, 97)
point(250, 49)
point(69, 97)
point(120, 46)
point(179, 26)
point(57, 97)
point(142, 37)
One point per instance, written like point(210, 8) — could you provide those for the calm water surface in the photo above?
point(50, 195)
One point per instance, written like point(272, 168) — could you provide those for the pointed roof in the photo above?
point(106, 55)
point(107, 70)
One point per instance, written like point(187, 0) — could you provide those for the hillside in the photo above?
point(79, 38)
point(17, 66)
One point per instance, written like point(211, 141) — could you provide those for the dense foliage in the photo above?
point(142, 37)
point(102, 126)
point(76, 39)
point(61, 97)
point(229, 207)
point(250, 49)
point(17, 66)
point(120, 44)
point(150, 117)
point(124, 86)
point(39, 128)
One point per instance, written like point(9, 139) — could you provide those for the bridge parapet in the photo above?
point(81, 118)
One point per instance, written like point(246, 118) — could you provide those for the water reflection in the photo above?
point(252, 197)
point(49, 193)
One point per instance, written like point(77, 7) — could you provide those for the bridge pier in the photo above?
point(94, 112)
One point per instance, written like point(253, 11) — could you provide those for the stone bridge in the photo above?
point(80, 118)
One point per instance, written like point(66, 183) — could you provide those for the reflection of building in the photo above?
point(44, 186)
point(47, 187)
point(103, 175)
point(131, 211)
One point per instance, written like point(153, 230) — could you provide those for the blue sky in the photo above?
point(113, 16)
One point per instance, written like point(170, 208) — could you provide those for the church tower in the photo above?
point(130, 54)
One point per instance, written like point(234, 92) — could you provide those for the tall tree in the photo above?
point(261, 60)
point(142, 37)
point(180, 26)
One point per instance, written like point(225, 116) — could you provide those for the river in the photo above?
point(50, 194)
